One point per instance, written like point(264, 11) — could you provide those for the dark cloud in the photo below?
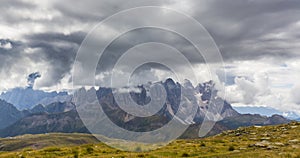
point(243, 30)
point(10, 56)
point(57, 49)
point(239, 26)
point(236, 26)
point(32, 77)
point(123, 43)
point(75, 37)
point(95, 11)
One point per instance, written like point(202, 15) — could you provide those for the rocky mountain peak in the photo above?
point(188, 84)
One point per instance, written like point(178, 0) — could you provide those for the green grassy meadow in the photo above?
point(281, 141)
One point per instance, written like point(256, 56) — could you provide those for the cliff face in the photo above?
point(203, 97)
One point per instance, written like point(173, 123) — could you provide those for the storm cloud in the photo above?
point(255, 38)
point(32, 77)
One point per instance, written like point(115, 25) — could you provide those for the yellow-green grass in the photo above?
point(269, 141)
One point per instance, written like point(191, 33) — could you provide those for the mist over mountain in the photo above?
point(26, 98)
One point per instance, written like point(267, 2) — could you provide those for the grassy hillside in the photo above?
point(256, 141)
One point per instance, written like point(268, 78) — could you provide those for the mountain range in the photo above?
point(9, 114)
point(266, 111)
point(63, 117)
point(26, 98)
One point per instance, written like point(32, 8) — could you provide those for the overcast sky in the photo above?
point(259, 41)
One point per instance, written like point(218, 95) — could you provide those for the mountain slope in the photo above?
point(67, 122)
point(9, 114)
point(57, 107)
point(267, 141)
point(245, 120)
point(231, 123)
